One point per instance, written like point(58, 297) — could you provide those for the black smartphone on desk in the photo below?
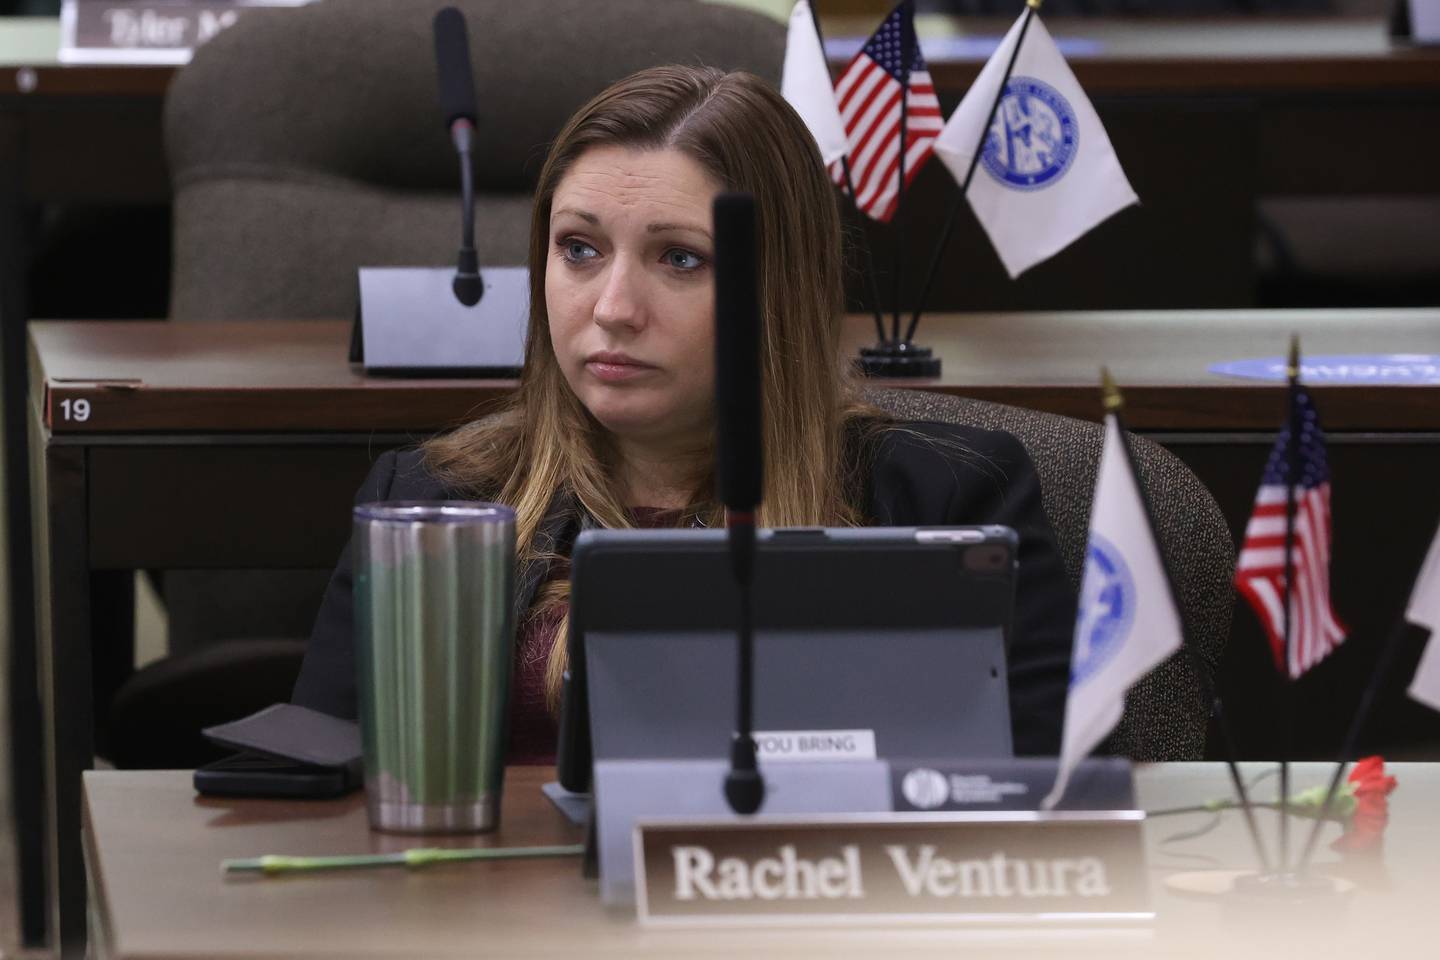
point(256, 775)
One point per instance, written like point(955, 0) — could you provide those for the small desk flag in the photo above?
point(1127, 621)
point(805, 84)
point(873, 93)
point(1047, 173)
point(1424, 610)
point(1260, 573)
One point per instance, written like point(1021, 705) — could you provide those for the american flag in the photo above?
point(869, 93)
point(1260, 577)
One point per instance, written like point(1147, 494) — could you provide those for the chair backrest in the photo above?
point(306, 142)
point(1165, 716)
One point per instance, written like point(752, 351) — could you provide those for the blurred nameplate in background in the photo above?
point(137, 31)
point(1424, 20)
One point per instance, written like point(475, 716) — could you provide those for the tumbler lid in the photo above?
point(434, 511)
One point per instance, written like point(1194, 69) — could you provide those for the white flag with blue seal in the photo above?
point(1047, 174)
point(806, 86)
point(1424, 610)
point(1127, 622)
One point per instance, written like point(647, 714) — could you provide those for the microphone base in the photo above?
point(469, 287)
point(744, 786)
point(744, 791)
point(898, 359)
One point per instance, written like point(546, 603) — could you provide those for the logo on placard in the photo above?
point(1107, 609)
point(1034, 138)
point(925, 788)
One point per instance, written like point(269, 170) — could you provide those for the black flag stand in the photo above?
point(892, 356)
point(1031, 6)
point(1114, 405)
point(869, 265)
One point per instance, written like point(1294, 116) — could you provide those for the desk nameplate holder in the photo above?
point(409, 324)
point(661, 795)
point(1417, 21)
point(147, 31)
point(1067, 867)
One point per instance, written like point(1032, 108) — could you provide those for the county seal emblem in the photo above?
point(1107, 609)
point(925, 788)
point(1034, 138)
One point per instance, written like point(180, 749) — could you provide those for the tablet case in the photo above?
point(289, 732)
point(655, 679)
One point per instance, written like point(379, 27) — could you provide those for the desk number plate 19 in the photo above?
point(893, 868)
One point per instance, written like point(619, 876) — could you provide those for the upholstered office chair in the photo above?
point(306, 142)
point(1165, 717)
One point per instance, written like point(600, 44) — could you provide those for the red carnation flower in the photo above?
point(1370, 787)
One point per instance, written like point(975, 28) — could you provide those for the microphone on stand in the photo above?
point(739, 459)
point(457, 101)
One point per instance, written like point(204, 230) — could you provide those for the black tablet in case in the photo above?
point(895, 635)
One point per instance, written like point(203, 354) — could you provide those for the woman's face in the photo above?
point(630, 292)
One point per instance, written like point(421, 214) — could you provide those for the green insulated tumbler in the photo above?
point(433, 642)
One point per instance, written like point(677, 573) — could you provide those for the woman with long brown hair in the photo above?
point(612, 424)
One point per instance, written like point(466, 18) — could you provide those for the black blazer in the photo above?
point(970, 476)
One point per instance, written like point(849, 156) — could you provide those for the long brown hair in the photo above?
point(545, 444)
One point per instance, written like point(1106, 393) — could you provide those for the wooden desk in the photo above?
point(268, 420)
point(154, 850)
point(291, 377)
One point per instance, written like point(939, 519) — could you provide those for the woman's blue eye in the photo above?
point(682, 259)
point(577, 250)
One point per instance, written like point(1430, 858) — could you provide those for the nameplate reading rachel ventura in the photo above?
point(893, 868)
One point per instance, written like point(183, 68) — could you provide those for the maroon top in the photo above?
point(533, 729)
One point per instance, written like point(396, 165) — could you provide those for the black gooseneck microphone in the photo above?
point(457, 100)
point(739, 458)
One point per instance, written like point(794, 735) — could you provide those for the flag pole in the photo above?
point(1114, 405)
point(907, 64)
point(869, 267)
point(1031, 6)
point(1391, 650)
point(1292, 375)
